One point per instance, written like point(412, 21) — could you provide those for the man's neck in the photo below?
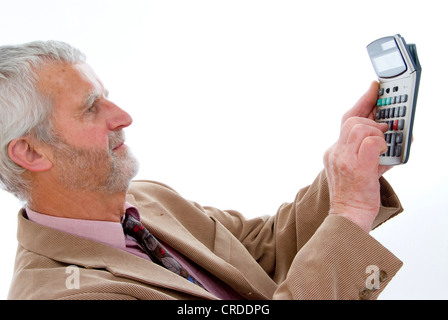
point(77, 204)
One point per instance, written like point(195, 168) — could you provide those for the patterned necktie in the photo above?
point(153, 248)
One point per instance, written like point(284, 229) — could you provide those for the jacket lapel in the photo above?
point(70, 249)
point(212, 255)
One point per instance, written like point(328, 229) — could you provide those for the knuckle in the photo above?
point(331, 156)
point(357, 131)
point(328, 156)
point(350, 122)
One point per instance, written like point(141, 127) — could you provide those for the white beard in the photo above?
point(95, 170)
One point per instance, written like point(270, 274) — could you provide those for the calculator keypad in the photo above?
point(392, 110)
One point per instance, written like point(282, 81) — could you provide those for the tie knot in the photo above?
point(134, 228)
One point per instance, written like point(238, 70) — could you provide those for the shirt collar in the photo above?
point(131, 210)
point(107, 232)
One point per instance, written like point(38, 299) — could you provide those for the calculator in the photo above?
point(398, 69)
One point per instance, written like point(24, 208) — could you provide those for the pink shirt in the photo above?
point(112, 234)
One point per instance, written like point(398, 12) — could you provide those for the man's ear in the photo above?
point(23, 152)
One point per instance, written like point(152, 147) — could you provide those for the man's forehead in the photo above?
point(60, 78)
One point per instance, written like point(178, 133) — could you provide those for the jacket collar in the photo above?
point(71, 249)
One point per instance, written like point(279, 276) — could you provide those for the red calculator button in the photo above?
point(395, 125)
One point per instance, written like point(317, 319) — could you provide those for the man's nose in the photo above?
point(118, 118)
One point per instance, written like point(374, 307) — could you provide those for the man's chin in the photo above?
point(121, 178)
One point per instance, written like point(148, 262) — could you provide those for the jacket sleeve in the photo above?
point(312, 255)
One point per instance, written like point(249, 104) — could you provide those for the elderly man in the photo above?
point(87, 232)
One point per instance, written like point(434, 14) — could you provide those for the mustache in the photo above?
point(116, 138)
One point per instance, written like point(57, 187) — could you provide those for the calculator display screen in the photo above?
point(386, 58)
point(388, 61)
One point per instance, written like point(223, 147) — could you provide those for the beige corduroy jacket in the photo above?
point(299, 253)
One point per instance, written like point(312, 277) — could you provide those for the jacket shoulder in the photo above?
point(137, 185)
point(148, 190)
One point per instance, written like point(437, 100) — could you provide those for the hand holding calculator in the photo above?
point(398, 69)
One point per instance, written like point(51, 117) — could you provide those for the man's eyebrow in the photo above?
point(91, 97)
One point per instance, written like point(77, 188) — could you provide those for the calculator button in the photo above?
point(393, 100)
point(398, 151)
point(402, 111)
point(399, 137)
point(395, 125)
point(404, 98)
point(392, 150)
point(392, 113)
point(381, 91)
point(401, 124)
point(395, 89)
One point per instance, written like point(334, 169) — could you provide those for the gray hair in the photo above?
point(24, 110)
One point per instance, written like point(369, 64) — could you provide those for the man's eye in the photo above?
point(92, 109)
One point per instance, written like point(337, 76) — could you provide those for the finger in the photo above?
point(359, 133)
point(365, 106)
point(370, 150)
point(355, 122)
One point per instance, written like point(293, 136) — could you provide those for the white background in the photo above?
point(235, 102)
